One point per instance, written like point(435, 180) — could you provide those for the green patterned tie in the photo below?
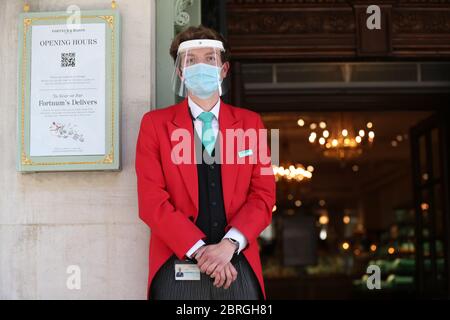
point(208, 138)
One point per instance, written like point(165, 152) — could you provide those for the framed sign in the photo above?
point(69, 86)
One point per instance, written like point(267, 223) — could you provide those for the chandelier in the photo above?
point(293, 173)
point(341, 140)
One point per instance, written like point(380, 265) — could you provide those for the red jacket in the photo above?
point(168, 192)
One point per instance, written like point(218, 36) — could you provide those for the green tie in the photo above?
point(208, 138)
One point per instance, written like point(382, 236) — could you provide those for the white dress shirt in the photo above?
point(196, 110)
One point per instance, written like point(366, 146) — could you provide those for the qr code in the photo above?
point(68, 59)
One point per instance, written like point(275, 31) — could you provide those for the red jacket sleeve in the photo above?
point(256, 214)
point(155, 209)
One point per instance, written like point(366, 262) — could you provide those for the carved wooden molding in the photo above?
point(283, 2)
point(291, 23)
point(418, 21)
point(316, 3)
point(425, 2)
point(285, 29)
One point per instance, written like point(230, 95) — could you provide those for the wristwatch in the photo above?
point(235, 242)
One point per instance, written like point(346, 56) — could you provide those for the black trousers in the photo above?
point(245, 287)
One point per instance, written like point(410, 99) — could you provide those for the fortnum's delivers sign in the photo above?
point(69, 92)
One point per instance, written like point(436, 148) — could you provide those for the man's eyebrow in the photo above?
point(205, 54)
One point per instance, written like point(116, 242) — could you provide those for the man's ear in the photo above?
point(179, 73)
point(225, 69)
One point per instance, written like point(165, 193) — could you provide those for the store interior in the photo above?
point(345, 201)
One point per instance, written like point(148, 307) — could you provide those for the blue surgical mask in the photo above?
point(202, 79)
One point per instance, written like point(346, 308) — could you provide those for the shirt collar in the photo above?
point(196, 109)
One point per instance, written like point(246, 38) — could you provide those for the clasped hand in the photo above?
point(214, 260)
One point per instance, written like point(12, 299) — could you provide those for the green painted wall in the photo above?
point(166, 29)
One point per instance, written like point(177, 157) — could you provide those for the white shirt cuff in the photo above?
point(238, 236)
point(194, 248)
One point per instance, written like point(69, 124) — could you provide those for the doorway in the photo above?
point(357, 141)
point(342, 208)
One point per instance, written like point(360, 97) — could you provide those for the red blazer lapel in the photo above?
point(182, 120)
point(229, 171)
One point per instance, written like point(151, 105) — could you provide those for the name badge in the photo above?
point(245, 153)
point(185, 270)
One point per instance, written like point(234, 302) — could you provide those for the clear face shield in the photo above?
point(199, 69)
